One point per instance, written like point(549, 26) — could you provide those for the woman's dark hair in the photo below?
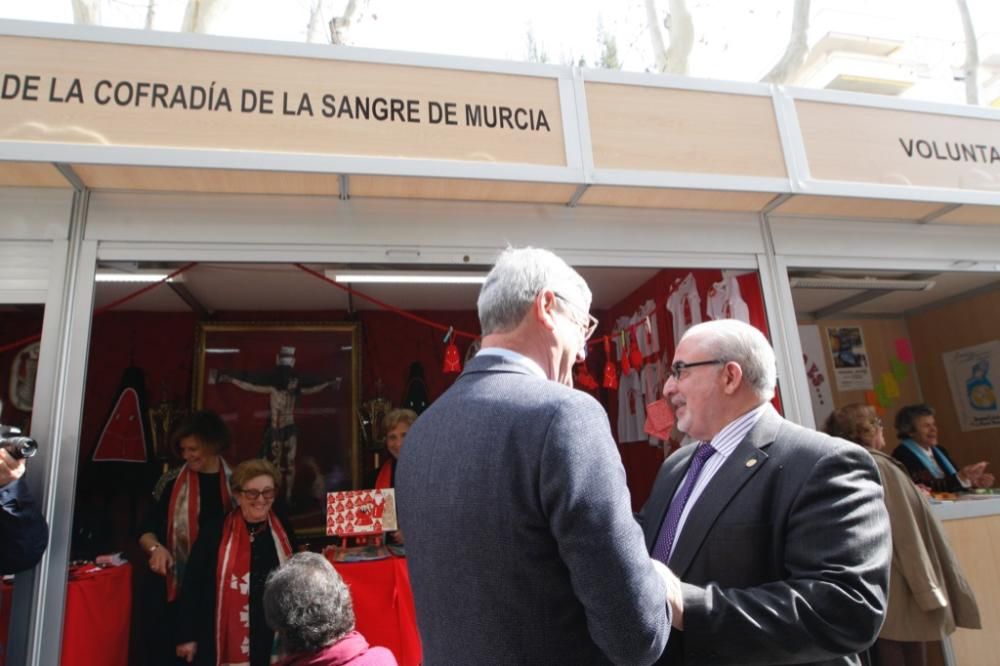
point(906, 419)
point(207, 426)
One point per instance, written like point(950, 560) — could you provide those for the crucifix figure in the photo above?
point(281, 434)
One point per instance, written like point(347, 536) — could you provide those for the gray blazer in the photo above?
point(785, 557)
point(520, 542)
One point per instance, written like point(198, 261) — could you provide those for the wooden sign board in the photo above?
point(123, 95)
point(893, 147)
point(665, 129)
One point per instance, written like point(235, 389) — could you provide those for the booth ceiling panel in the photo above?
point(277, 287)
point(970, 215)
point(946, 286)
point(665, 129)
point(459, 189)
point(31, 174)
point(651, 197)
point(852, 207)
point(214, 181)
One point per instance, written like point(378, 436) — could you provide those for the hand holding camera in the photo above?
point(14, 449)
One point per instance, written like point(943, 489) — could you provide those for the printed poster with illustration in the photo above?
point(850, 359)
point(973, 373)
point(360, 512)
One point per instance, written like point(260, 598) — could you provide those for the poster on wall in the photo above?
point(850, 359)
point(817, 374)
point(972, 375)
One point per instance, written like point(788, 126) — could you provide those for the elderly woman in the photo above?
point(929, 463)
point(307, 603)
point(928, 595)
point(221, 612)
point(186, 498)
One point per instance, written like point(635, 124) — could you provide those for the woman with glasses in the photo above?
point(221, 604)
point(928, 595)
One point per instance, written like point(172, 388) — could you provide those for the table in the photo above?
point(97, 620)
point(383, 605)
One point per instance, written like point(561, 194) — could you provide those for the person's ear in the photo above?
point(732, 377)
point(544, 308)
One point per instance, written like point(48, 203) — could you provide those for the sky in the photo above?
point(734, 39)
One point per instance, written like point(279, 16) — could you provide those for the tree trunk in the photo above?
point(797, 49)
point(150, 14)
point(315, 32)
point(87, 12)
point(971, 65)
point(656, 37)
point(197, 16)
point(681, 38)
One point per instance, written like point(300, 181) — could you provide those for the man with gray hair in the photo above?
point(779, 533)
point(308, 605)
point(520, 542)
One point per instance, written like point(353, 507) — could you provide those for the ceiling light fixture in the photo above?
point(407, 277)
point(104, 276)
point(861, 283)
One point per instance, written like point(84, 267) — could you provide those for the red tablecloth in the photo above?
point(383, 605)
point(96, 625)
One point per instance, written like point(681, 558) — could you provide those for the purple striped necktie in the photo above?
point(668, 531)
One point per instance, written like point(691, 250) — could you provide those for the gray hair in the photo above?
point(733, 340)
point(307, 603)
point(516, 279)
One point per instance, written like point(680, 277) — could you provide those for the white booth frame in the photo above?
point(135, 226)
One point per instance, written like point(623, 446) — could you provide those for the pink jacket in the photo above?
point(351, 650)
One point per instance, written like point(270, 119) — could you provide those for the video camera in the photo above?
point(17, 445)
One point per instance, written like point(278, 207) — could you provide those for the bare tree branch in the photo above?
point(797, 49)
point(340, 24)
point(971, 65)
point(87, 12)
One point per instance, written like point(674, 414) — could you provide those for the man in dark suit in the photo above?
point(520, 543)
point(23, 532)
point(778, 533)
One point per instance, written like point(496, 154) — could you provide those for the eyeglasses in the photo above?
point(680, 366)
point(589, 327)
point(252, 494)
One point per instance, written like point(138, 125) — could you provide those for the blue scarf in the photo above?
point(942, 459)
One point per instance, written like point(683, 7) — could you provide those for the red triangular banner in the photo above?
point(123, 438)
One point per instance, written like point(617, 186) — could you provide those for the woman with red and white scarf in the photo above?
point(221, 612)
point(186, 499)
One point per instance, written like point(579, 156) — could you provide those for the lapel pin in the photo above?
point(751, 462)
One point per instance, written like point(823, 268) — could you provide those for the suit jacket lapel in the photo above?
point(726, 483)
